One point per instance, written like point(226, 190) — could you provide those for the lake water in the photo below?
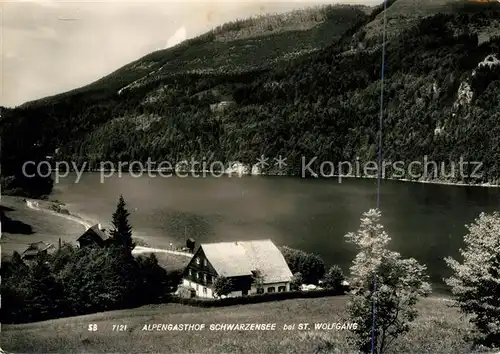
point(424, 221)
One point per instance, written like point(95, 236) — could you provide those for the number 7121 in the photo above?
point(120, 328)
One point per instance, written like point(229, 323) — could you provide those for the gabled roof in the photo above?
point(100, 233)
point(231, 259)
point(36, 247)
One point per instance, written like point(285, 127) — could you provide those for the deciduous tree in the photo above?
point(382, 281)
point(334, 277)
point(297, 281)
point(311, 266)
point(475, 282)
point(222, 286)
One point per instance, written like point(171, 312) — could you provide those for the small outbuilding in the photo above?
point(190, 245)
point(35, 249)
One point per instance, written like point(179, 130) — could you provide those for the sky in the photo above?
point(51, 46)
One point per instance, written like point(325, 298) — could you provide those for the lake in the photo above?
point(425, 221)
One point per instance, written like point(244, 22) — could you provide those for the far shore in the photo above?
point(245, 172)
point(446, 183)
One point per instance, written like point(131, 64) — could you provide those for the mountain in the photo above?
point(301, 84)
point(403, 14)
point(244, 45)
point(230, 54)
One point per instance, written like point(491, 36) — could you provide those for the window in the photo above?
point(198, 260)
point(204, 290)
point(203, 262)
point(271, 289)
point(190, 273)
point(209, 278)
point(281, 289)
point(260, 290)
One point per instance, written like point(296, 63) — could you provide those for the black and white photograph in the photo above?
point(261, 177)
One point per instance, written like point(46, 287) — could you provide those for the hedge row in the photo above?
point(253, 299)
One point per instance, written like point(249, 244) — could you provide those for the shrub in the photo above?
point(58, 208)
point(139, 242)
point(76, 281)
point(186, 292)
point(311, 266)
point(174, 279)
point(153, 282)
point(334, 277)
point(222, 286)
point(253, 299)
point(297, 281)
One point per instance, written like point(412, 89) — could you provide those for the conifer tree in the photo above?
point(122, 231)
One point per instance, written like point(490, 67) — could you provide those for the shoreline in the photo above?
point(34, 204)
point(434, 182)
point(239, 174)
point(403, 180)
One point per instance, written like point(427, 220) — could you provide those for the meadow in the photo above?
point(29, 226)
point(438, 329)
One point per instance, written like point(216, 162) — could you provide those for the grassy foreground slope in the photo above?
point(438, 329)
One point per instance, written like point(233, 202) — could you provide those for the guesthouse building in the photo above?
point(253, 267)
point(94, 236)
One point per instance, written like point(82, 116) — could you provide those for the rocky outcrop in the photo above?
point(222, 106)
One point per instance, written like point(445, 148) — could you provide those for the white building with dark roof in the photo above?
point(252, 266)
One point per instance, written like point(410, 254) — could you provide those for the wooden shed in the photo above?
point(190, 244)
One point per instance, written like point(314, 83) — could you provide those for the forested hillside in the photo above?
point(303, 85)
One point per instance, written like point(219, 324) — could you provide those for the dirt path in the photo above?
point(142, 249)
point(33, 204)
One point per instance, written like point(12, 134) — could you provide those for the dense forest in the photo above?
point(304, 85)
